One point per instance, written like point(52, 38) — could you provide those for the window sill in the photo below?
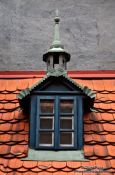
point(76, 155)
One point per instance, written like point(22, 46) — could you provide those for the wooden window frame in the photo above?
point(35, 122)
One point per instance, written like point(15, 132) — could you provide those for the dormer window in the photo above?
point(56, 113)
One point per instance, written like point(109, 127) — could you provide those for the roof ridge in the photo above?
point(74, 74)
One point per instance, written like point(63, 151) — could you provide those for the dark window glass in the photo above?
point(46, 123)
point(66, 123)
point(47, 106)
point(46, 138)
point(66, 106)
point(66, 138)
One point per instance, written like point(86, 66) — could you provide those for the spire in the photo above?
point(56, 42)
point(56, 56)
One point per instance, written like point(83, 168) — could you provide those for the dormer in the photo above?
point(56, 103)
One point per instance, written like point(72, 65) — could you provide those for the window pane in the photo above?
point(66, 106)
point(47, 106)
point(66, 138)
point(66, 123)
point(46, 138)
point(46, 123)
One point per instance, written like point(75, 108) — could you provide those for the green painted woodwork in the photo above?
point(58, 73)
point(44, 155)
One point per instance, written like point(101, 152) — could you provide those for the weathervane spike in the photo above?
point(57, 12)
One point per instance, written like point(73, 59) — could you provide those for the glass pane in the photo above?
point(46, 106)
point(46, 123)
point(66, 106)
point(46, 138)
point(66, 123)
point(66, 138)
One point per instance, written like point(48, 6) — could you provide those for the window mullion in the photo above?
point(56, 123)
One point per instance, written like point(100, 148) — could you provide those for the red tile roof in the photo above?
point(99, 127)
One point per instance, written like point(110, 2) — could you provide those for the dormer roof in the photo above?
point(62, 75)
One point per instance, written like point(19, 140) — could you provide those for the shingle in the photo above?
point(8, 116)
point(3, 85)
point(45, 164)
point(2, 97)
point(109, 85)
point(99, 138)
point(100, 151)
point(111, 150)
point(110, 138)
point(11, 85)
point(107, 117)
point(18, 137)
point(22, 84)
point(88, 150)
point(5, 127)
point(98, 85)
point(74, 164)
point(5, 138)
point(19, 150)
point(109, 127)
point(88, 83)
point(112, 161)
point(30, 164)
point(59, 164)
point(15, 163)
point(4, 149)
point(101, 163)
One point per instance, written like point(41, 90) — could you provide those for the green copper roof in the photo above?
point(58, 73)
point(56, 46)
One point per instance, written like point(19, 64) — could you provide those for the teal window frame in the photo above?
point(35, 122)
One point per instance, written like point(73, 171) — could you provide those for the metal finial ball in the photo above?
point(57, 19)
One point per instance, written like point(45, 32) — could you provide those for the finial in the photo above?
point(56, 41)
point(56, 47)
point(57, 19)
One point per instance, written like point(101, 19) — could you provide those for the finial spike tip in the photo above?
point(57, 13)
